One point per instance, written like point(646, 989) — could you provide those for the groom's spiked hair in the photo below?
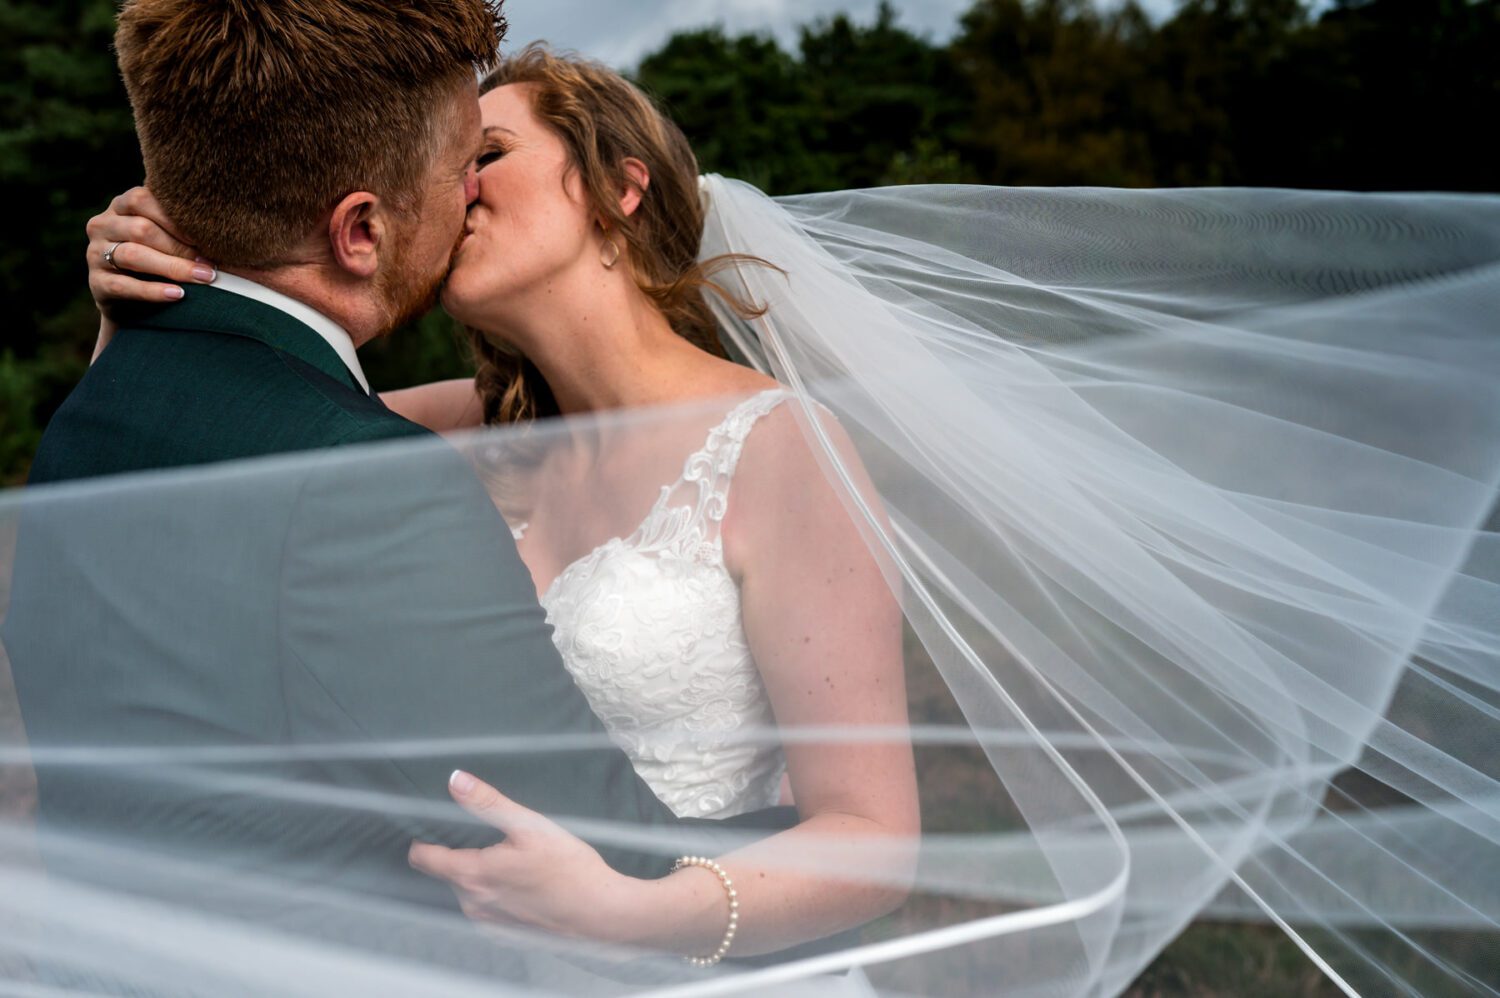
point(256, 117)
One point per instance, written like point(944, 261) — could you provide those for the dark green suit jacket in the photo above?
point(283, 610)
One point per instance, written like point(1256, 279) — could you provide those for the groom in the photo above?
point(321, 152)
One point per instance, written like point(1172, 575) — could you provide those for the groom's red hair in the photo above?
point(256, 116)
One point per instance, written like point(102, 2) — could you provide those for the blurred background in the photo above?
point(829, 94)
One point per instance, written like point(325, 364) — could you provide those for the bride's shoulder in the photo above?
point(733, 379)
point(773, 430)
point(785, 457)
point(705, 376)
point(792, 489)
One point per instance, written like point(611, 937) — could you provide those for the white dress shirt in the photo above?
point(342, 343)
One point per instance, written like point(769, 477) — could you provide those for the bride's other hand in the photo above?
point(143, 241)
point(541, 875)
point(545, 877)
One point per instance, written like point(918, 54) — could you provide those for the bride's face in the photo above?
point(531, 225)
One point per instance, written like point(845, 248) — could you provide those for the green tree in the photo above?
point(740, 102)
point(888, 104)
point(1218, 88)
point(1056, 92)
point(1398, 95)
point(855, 106)
point(67, 145)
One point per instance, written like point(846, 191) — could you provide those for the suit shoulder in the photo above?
point(364, 417)
point(167, 398)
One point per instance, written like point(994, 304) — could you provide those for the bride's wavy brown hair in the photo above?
point(603, 119)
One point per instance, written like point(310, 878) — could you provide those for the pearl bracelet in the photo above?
point(734, 907)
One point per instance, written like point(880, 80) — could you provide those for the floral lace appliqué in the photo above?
point(650, 628)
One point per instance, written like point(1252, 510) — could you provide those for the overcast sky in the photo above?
point(619, 32)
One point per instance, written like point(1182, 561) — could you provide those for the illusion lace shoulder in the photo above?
point(650, 627)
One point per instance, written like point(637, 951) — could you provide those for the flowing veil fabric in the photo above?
point(1193, 491)
point(1188, 497)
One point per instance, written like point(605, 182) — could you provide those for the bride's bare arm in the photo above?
point(441, 406)
point(825, 630)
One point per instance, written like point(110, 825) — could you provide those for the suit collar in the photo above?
point(334, 334)
point(208, 309)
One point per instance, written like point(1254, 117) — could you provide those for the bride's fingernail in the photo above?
point(461, 782)
point(173, 293)
point(205, 274)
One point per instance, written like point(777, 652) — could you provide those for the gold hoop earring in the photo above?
point(610, 255)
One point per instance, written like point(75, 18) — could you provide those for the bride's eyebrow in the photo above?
point(497, 128)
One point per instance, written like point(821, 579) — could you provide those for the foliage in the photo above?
point(66, 146)
point(1368, 95)
point(1371, 95)
point(855, 107)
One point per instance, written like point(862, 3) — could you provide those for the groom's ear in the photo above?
point(637, 183)
point(355, 232)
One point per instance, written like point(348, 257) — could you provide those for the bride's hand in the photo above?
point(541, 875)
point(144, 242)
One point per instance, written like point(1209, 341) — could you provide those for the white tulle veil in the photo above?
point(1188, 497)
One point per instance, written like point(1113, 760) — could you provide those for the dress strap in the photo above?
point(727, 440)
point(705, 479)
point(707, 473)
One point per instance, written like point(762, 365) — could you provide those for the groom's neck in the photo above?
point(354, 306)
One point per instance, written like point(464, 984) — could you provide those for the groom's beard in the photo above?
point(407, 293)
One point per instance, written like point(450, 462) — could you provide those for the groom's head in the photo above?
point(330, 138)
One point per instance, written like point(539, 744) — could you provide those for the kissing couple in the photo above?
point(319, 172)
point(1184, 496)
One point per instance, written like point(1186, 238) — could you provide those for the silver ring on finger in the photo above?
point(109, 255)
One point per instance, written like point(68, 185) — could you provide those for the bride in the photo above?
point(1188, 492)
point(581, 283)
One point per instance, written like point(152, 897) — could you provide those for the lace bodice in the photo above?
point(650, 628)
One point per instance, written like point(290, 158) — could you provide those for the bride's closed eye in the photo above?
point(487, 157)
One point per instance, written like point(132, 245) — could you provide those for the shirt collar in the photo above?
point(342, 343)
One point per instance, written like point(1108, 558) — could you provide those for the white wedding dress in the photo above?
point(649, 626)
